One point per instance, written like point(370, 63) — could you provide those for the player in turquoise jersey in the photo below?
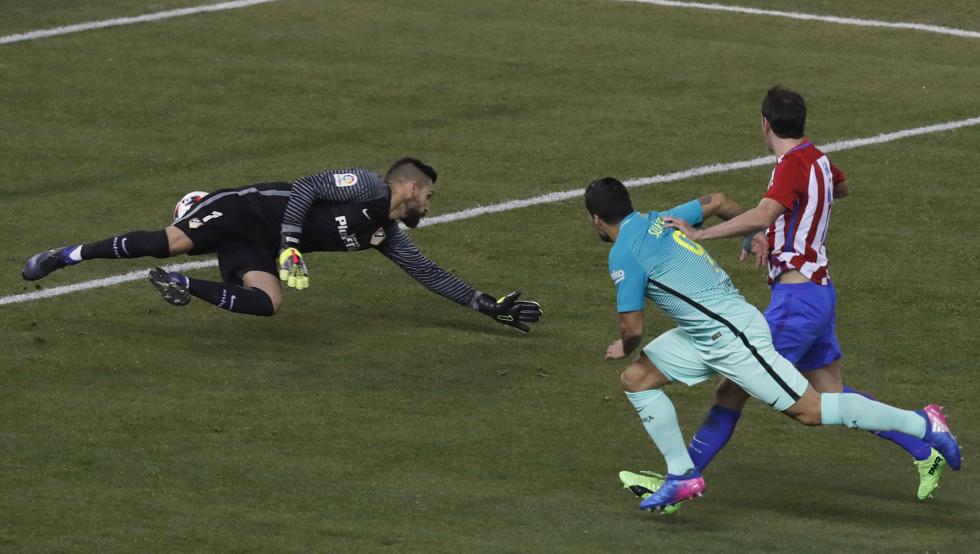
point(718, 332)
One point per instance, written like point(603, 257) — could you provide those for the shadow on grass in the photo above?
point(847, 499)
point(470, 323)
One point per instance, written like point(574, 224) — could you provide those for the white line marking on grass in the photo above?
point(527, 202)
point(99, 283)
point(79, 27)
point(813, 17)
point(698, 171)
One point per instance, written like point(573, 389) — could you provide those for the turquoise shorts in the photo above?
point(750, 360)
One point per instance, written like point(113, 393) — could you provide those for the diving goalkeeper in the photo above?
point(260, 232)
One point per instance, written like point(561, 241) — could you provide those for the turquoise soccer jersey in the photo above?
point(662, 264)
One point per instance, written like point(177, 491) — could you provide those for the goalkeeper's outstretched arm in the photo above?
point(508, 310)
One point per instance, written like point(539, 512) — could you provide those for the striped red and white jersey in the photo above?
point(802, 181)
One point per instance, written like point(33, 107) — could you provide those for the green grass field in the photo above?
point(372, 416)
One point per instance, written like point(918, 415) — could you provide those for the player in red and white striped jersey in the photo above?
point(805, 183)
point(795, 211)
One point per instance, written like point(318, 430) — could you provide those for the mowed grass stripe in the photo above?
point(524, 203)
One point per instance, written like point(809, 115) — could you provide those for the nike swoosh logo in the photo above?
point(364, 211)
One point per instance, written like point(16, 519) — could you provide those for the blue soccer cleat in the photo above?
point(676, 489)
point(43, 263)
point(174, 287)
point(643, 485)
point(939, 436)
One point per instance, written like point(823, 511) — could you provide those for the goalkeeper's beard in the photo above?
point(411, 221)
point(412, 218)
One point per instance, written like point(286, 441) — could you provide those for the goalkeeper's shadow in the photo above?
point(477, 325)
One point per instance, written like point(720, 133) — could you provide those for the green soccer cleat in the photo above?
point(645, 483)
point(930, 470)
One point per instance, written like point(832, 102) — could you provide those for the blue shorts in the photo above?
point(802, 319)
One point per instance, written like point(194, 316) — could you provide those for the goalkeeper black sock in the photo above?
point(234, 298)
point(134, 244)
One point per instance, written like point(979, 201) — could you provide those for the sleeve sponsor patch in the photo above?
point(617, 276)
point(344, 179)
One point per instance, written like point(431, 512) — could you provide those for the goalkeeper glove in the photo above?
point(292, 268)
point(509, 310)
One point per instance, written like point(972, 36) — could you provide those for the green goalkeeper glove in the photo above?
point(509, 310)
point(292, 268)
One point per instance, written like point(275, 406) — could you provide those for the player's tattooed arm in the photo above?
point(754, 242)
point(756, 219)
point(720, 205)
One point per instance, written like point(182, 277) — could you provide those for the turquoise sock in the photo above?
point(657, 413)
point(858, 412)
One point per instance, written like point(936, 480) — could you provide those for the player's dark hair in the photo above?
point(785, 111)
point(410, 169)
point(608, 199)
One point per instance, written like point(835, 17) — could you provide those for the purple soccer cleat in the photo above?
point(174, 287)
point(43, 263)
point(676, 488)
point(939, 436)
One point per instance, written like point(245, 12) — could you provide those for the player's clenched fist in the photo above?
point(292, 269)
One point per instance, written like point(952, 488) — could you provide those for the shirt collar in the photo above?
point(805, 144)
point(622, 224)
